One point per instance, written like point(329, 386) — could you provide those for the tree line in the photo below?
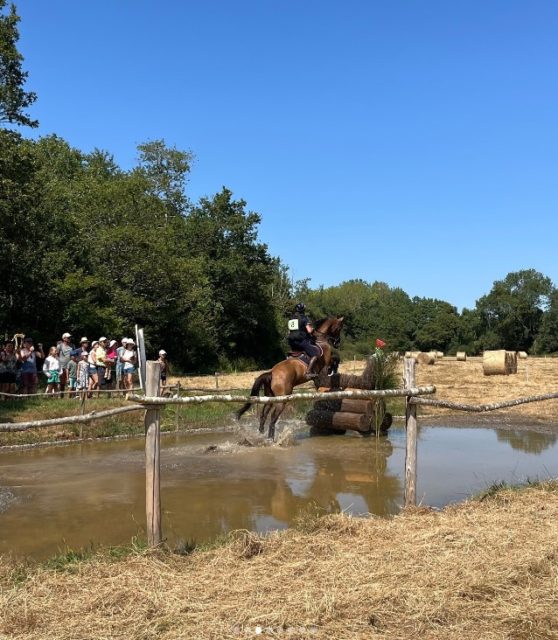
point(91, 248)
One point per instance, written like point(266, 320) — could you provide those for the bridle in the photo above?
point(334, 341)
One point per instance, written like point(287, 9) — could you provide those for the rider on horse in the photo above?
point(301, 339)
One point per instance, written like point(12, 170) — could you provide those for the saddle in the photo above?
point(299, 355)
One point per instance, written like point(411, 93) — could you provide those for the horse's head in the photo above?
point(331, 329)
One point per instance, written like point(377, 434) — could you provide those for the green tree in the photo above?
point(436, 322)
point(13, 97)
point(242, 318)
point(513, 310)
point(547, 337)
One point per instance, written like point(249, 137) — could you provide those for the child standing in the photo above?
point(72, 373)
point(83, 372)
point(164, 366)
point(51, 368)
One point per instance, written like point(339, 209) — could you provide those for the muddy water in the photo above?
point(76, 495)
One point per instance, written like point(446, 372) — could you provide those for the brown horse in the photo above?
point(287, 374)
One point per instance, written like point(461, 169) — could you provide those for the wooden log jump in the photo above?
point(363, 415)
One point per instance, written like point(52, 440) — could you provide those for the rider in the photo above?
point(300, 338)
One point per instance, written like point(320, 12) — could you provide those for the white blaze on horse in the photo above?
point(289, 373)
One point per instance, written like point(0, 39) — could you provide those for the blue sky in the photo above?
point(415, 142)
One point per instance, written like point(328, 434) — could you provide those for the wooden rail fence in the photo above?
point(152, 402)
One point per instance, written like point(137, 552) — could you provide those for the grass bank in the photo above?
point(487, 568)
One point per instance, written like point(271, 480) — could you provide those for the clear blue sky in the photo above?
point(412, 142)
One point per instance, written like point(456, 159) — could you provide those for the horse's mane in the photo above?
point(319, 322)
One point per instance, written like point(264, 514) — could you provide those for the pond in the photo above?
point(94, 493)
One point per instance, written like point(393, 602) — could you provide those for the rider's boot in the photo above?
point(309, 375)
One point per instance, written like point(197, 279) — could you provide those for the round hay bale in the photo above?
point(439, 354)
point(495, 363)
point(522, 355)
point(426, 358)
point(408, 354)
point(461, 356)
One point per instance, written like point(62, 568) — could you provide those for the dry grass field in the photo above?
point(455, 381)
point(481, 570)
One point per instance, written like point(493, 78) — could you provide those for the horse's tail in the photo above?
point(262, 380)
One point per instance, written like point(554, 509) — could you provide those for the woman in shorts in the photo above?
point(129, 360)
point(93, 375)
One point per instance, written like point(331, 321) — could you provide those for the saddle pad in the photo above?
point(299, 355)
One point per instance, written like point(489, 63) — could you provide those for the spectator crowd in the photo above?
point(102, 364)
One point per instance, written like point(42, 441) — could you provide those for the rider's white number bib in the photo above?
point(293, 325)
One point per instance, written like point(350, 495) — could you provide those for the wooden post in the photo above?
point(411, 444)
point(152, 457)
point(177, 414)
point(82, 411)
point(216, 379)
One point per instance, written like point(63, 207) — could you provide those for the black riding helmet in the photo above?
point(300, 307)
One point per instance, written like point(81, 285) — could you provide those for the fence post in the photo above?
point(177, 414)
point(83, 395)
point(152, 457)
point(411, 443)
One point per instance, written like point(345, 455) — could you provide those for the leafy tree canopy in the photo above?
point(13, 97)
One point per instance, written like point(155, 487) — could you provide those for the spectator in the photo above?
point(64, 353)
point(83, 372)
point(83, 346)
point(92, 362)
point(119, 364)
point(129, 360)
point(27, 355)
point(8, 368)
point(51, 368)
point(72, 373)
point(100, 357)
point(110, 361)
point(164, 366)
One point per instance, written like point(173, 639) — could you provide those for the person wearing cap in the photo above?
point(100, 358)
point(27, 355)
point(129, 360)
point(164, 366)
point(64, 350)
point(119, 368)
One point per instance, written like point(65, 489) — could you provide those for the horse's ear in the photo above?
point(341, 318)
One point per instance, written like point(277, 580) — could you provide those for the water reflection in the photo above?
point(95, 492)
point(528, 441)
point(267, 488)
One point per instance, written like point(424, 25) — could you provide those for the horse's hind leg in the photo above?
point(263, 417)
point(267, 407)
point(277, 411)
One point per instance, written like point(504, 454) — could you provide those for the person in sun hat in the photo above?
point(93, 373)
point(27, 356)
point(83, 346)
point(119, 369)
point(100, 357)
point(129, 360)
point(64, 350)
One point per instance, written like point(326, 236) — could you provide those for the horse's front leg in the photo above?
point(277, 411)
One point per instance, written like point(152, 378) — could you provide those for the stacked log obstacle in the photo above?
point(500, 362)
point(338, 416)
